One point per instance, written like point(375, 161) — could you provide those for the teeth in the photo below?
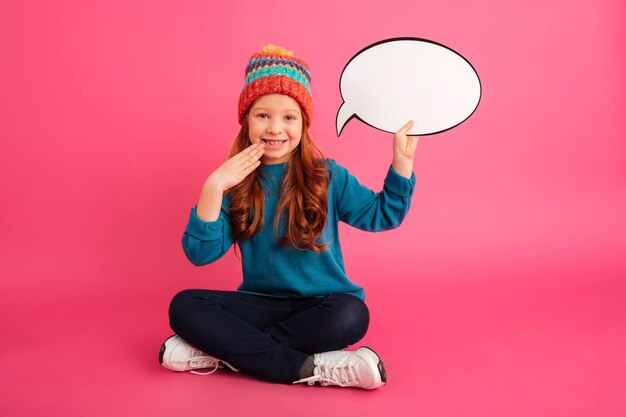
point(274, 142)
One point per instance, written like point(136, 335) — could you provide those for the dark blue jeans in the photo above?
point(267, 337)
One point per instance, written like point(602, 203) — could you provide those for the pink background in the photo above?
point(502, 294)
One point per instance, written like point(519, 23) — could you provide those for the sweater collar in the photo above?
point(274, 169)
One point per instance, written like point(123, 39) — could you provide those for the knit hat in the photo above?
point(275, 70)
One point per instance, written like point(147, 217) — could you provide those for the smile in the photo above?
point(274, 142)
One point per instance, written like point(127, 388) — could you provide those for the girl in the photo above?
point(280, 202)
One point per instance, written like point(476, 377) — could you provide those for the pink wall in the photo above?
point(113, 113)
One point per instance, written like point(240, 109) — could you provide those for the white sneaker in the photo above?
point(178, 355)
point(361, 368)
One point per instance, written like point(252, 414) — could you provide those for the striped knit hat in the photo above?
point(274, 70)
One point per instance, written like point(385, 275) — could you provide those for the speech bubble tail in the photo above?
point(344, 114)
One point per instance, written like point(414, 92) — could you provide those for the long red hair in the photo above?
point(303, 205)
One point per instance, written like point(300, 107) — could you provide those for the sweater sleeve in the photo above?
point(364, 209)
point(205, 242)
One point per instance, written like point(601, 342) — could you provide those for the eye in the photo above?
point(290, 117)
point(262, 116)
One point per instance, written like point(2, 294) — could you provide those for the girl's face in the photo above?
point(275, 120)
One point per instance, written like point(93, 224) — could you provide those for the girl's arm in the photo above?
point(364, 209)
point(208, 236)
point(404, 150)
point(229, 174)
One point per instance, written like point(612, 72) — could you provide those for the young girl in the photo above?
point(280, 202)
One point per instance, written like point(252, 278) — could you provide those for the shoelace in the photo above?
point(199, 360)
point(204, 362)
point(342, 374)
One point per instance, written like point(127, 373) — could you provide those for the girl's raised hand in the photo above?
point(404, 150)
point(235, 169)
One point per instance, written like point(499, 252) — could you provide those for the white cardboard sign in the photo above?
point(396, 80)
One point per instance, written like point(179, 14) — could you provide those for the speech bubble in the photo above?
point(390, 82)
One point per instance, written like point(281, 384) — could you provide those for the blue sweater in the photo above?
point(282, 271)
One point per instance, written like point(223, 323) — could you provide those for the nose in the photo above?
point(274, 127)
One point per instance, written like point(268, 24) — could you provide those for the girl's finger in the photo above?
point(254, 157)
point(259, 149)
point(251, 168)
point(258, 154)
point(404, 129)
point(249, 150)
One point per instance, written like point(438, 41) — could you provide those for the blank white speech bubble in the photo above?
point(396, 80)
